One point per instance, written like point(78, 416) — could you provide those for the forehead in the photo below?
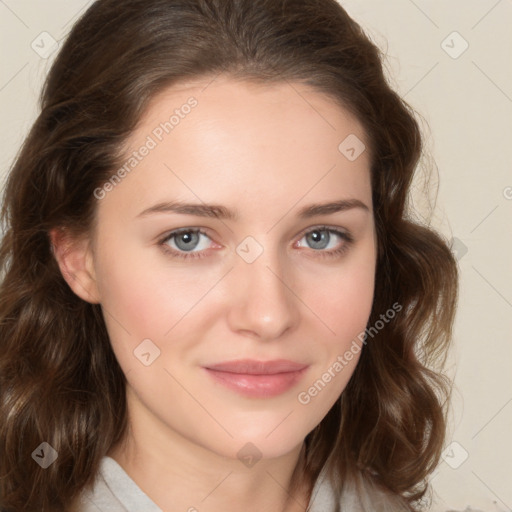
point(227, 102)
point(227, 140)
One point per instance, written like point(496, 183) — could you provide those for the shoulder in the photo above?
point(358, 495)
point(115, 491)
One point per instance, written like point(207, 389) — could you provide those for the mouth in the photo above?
point(258, 379)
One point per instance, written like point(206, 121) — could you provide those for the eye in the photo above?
point(327, 241)
point(193, 242)
point(183, 241)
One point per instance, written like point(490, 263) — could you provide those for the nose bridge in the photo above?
point(263, 302)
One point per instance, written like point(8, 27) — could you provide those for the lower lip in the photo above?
point(258, 386)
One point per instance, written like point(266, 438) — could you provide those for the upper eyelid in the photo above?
point(176, 232)
point(202, 231)
point(321, 227)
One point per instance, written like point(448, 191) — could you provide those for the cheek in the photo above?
point(147, 298)
point(344, 301)
point(344, 306)
point(345, 310)
point(351, 304)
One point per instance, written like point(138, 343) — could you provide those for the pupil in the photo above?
point(319, 239)
point(187, 240)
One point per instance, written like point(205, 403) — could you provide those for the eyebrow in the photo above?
point(221, 212)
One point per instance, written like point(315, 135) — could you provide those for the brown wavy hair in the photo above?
point(59, 379)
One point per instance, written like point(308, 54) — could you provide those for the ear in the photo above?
point(75, 259)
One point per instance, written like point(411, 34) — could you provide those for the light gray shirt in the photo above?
point(115, 491)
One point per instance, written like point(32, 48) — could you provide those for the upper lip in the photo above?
point(254, 367)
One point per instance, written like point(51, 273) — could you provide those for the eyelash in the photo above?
point(347, 237)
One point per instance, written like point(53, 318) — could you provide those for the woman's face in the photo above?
point(234, 259)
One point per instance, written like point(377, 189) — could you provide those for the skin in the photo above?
point(266, 152)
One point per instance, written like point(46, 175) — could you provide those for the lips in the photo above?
point(257, 379)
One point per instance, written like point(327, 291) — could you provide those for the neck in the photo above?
point(178, 474)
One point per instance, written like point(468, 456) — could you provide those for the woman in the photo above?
point(214, 296)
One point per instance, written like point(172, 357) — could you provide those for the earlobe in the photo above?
point(75, 259)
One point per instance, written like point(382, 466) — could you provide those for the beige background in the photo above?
point(465, 97)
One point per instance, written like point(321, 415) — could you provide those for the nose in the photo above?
point(263, 303)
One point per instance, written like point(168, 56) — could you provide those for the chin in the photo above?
point(270, 437)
